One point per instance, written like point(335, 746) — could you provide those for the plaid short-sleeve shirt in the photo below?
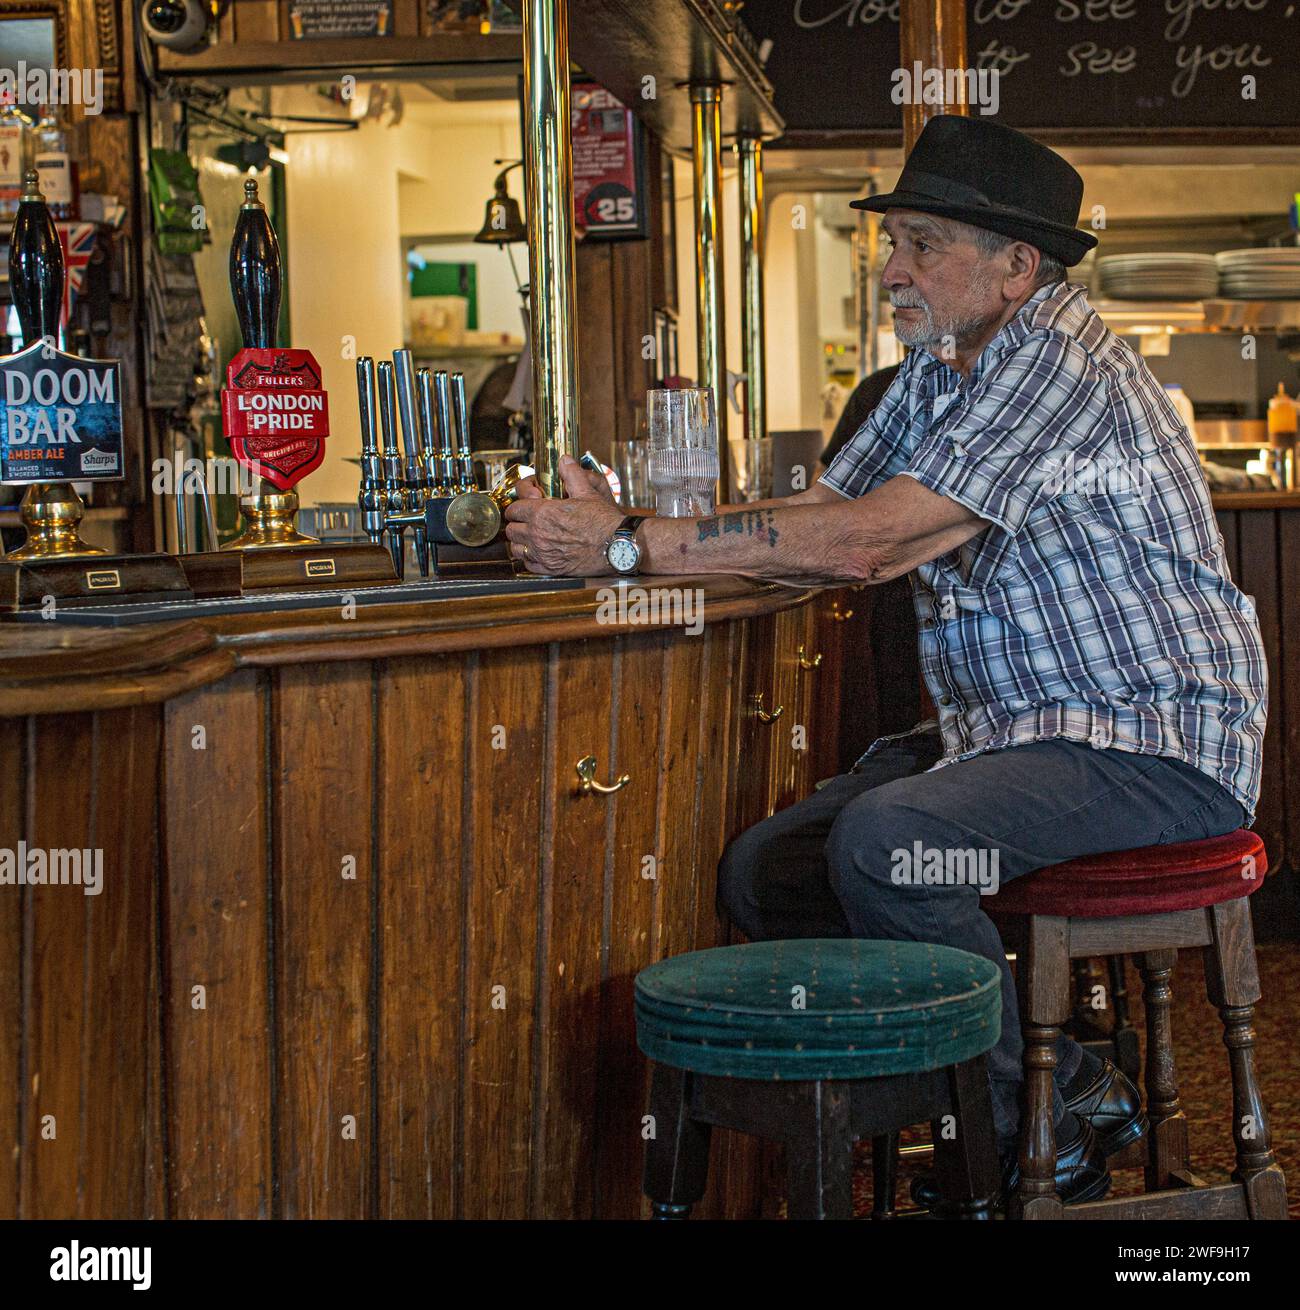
point(1097, 606)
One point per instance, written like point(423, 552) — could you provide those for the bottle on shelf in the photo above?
point(55, 166)
point(13, 158)
point(1282, 438)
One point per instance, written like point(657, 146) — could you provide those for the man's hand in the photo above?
point(527, 488)
point(563, 536)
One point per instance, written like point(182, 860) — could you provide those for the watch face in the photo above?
point(623, 555)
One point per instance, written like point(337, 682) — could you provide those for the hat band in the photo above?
point(943, 188)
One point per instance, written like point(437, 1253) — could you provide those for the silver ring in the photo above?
point(524, 552)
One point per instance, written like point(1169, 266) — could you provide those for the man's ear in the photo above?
point(1025, 260)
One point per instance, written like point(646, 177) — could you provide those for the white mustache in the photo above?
point(902, 300)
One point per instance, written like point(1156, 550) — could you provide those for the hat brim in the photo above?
point(1068, 244)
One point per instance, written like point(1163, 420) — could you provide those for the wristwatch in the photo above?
point(622, 551)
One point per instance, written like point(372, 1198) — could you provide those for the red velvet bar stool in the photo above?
point(1149, 903)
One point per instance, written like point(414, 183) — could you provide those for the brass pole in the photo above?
point(548, 170)
point(751, 281)
point(711, 337)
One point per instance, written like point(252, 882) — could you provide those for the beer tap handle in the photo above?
point(178, 499)
point(392, 461)
point(424, 389)
point(372, 494)
point(36, 266)
point(209, 518)
point(417, 486)
point(404, 375)
point(465, 457)
point(255, 272)
point(366, 405)
point(445, 450)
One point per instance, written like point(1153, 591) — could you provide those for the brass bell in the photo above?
point(503, 224)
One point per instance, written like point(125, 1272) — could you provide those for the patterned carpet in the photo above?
point(1204, 1084)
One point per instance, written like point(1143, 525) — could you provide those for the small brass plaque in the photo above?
point(319, 568)
point(103, 579)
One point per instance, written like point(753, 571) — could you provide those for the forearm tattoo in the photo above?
point(748, 523)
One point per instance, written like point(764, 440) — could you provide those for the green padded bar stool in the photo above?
point(817, 1044)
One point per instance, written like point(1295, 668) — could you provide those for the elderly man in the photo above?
point(1099, 680)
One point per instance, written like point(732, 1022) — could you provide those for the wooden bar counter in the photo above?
point(363, 947)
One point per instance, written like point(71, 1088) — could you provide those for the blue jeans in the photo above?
point(843, 862)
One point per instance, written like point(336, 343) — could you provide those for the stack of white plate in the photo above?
point(1272, 273)
point(1173, 276)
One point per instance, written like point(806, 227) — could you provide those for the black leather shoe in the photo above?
point(1081, 1174)
point(1113, 1106)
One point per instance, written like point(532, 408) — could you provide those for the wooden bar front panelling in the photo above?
point(579, 705)
point(501, 923)
point(55, 1086)
point(117, 1179)
point(13, 827)
point(218, 1031)
point(629, 918)
point(363, 948)
point(324, 877)
point(419, 803)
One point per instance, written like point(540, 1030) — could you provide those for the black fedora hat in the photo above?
point(992, 177)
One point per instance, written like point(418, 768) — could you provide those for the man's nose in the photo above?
point(894, 275)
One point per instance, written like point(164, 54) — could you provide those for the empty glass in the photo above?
point(684, 463)
point(751, 462)
point(632, 464)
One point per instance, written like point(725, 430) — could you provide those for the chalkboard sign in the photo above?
point(1076, 64)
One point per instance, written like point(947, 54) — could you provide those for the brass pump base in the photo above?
point(269, 515)
point(52, 513)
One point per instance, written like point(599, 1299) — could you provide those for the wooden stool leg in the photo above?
point(1085, 1017)
point(1127, 1052)
point(1044, 984)
point(820, 1152)
point(1232, 981)
point(1168, 1163)
point(884, 1176)
point(966, 1164)
point(677, 1157)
